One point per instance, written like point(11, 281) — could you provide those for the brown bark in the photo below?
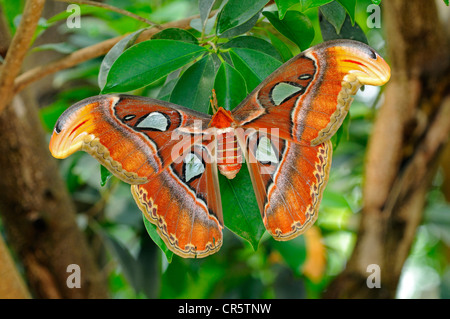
point(12, 285)
point(410, 132)
point(36, 210)
point(18, 49)
point(88, 53)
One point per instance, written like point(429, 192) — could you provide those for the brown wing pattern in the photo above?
point(184, 203)
point(133, 137)
point(308, 97)
point(288, 179)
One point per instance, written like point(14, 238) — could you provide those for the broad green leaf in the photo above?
point(240, 209)
point(149, 61)
point(10, 10)
point(300, 5)
point(205, 7)
point(293, 252)
point(149, 266)
point(193, 89)
point(334, 200)
point(348, 31)
point(166, 90)
point(281, 47)
point(151, 230)
point(335, 14)
point(176, 34)
point(284, 5)
point(253, 43)
point(127, 261)
point(445, 1)
point(295, 26)
point(242, 28)
point(237, 12)
point(230, 86)
point(350, 6)
point(196, 24)
point(254, 65)
point(206, 26)
point(113, 54)
point(174, 280)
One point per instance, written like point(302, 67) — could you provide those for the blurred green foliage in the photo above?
point(241, 45)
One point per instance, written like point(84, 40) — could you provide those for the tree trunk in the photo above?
point(409, 135)
point(36, 209)
point(12, 285)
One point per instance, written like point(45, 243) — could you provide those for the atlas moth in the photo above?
point(281, 130)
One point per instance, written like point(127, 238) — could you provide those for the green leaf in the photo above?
point(127, 262)
point(167, 89)
point(147, 62)
point(205, 7)
point(10, 10)
point(105, 175)
point(242, 28)
point(240, 209)
point(350, 7)
point(237, 12)
point(253, 43)
point(335, 200)
point(348, 31)
point(149, 265)
point(377, 2)
point(295, 26)
point(281, 47)
point(335, 14)
point(284, 5)
point(176, 34)
point(151, 230)
point(293, 252)
point(254, 65)
point(230, 86)
point(193, 89)
point(113, 54)
point(300, 5)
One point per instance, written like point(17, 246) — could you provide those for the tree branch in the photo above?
point(18, 49)
point(112, 8)
point(12, 286)
point(88, 53)
point(410, 133)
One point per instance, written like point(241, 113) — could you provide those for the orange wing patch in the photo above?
point(289, 187)
point(184, 203)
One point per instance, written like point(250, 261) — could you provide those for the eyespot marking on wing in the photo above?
point(283, 91)
point(265, 152)
point(154, 121)
point(193, 167)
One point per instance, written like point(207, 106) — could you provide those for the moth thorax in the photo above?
point(229, 155)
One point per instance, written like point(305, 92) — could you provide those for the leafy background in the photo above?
point(231, 47)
